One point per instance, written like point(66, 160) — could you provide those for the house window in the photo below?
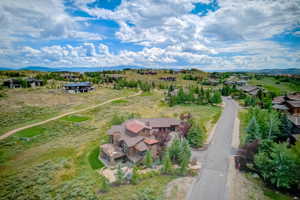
point(124, 147)
point(142, 153)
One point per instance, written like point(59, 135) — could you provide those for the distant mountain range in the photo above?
point(294, 71)
point(72, 69)
point(121, 67)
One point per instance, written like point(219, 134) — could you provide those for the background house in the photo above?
point(79, 87)
point(290, 104)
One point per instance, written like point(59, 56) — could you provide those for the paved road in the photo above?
point(9, 133)
point(211, 183)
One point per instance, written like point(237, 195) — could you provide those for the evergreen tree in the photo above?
point(167, 164)
point(185, 152)
point(216, 98)
point(196, 136)
point(120, 175)
point(148, 161)
point(175, 150)
point(184, 166)
point(253, 130)
point(285, 126)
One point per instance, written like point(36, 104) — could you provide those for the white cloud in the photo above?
point(35, 20)
point(237, 35)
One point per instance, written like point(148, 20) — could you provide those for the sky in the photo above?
point(203, 34)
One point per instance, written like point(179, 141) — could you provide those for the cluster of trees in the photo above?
point(194, 95)
point(123, 83)
point(12, 74)
point(266, 152)
point(191, 77)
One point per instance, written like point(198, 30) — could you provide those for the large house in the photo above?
point(289, 104)
point(12, 83)
point(17, 83)
point(32, 82)
point(133, 138)
point(78, 87)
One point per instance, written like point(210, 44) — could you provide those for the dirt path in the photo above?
point(9, 133)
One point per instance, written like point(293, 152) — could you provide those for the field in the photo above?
point(272, 85)
point(25, 106)
point(57, 160)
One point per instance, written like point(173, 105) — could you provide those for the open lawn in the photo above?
point(57, 160)
point(273, 85)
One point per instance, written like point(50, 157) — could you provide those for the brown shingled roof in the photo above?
point(134, 126)
point(150, 141)
point(141, 146)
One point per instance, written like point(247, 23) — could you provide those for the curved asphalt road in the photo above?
point(211, 182)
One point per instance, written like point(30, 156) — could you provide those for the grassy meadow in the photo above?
point(273, 85)
point(58, 160)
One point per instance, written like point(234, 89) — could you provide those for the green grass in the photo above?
point(76, 145)
point(93, 159)
point(75, 118)
point(10, 119)
point(119, 101)
point(126, 192)
point(31, 132)
point(271, 85)
point(243, 125)
point(275, 195)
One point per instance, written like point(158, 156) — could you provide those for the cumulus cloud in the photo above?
point(35, 19)
point(236, 35)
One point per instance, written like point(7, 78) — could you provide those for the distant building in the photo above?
point(251, 90)
point(133, 138)
point(12, 83)
point(18, 83)
point(32, 82)
point(237, 83)
point(79, 87)
point(169, 78)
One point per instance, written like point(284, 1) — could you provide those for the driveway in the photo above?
point(211, 182)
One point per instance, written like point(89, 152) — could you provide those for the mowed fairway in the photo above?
point(273, 85)
point(57, 160)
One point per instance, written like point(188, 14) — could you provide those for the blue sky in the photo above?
point(204, 34)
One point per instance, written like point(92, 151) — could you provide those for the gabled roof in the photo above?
point(278, 100)
point(295, 104)
point(294, 97)
point(141, 146)
point(130, 141)
point(135, 126)
point(151, 141)
point(280, 107)
point(249, 88)
point(160, 122)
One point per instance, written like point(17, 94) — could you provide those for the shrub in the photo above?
point(148, 160)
